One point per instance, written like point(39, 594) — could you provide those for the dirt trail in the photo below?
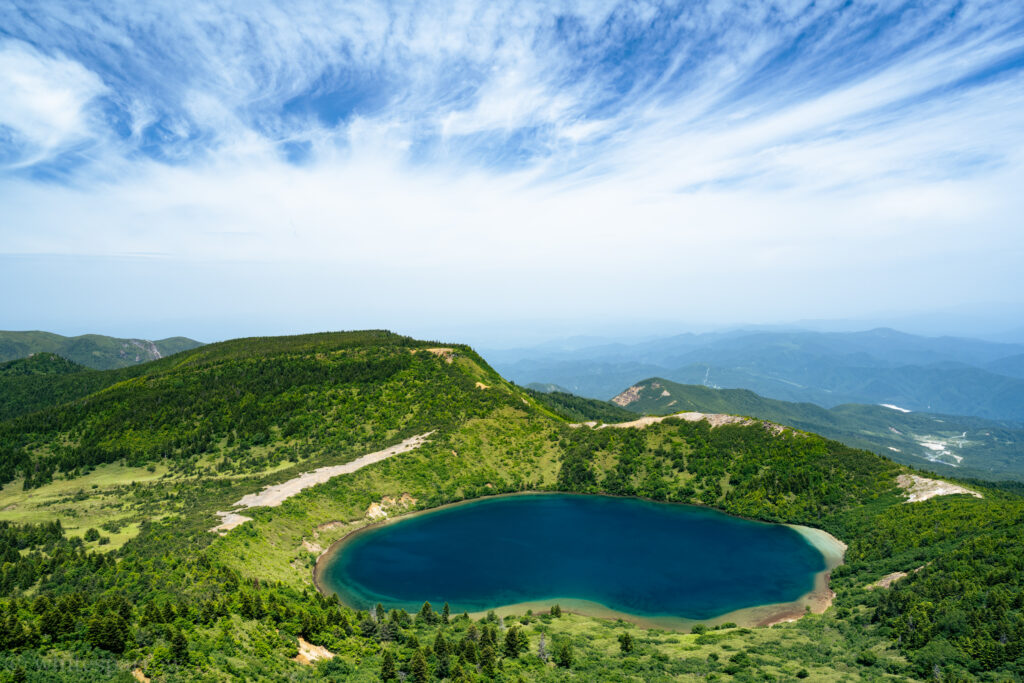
point(272, 496)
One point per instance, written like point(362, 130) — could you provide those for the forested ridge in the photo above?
point(954, 445)
point(90, 350)
point(113, 567)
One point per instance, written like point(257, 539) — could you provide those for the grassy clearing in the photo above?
point(93, 501)
point(505, 452)
point(814, 645)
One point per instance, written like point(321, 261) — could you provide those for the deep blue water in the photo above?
point(633, 556)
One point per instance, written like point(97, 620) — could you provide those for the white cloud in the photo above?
point(44, 100)
point(696, 189)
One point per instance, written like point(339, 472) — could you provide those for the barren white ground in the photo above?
point(921, 488)
point(272, 496)
point(716, 419)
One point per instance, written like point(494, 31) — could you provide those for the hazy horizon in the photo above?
point(498, 335)
point(507, 173)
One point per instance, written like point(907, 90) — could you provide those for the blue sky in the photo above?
point(220, 169)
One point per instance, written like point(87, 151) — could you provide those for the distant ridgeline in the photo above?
point(950, 445)
point(135, 466)
point(944, 375)
point(91, 350)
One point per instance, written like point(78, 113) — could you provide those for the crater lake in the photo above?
point(664, 563)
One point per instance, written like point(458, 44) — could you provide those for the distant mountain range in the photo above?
point(91, 350)
point(964, 446)
point(946, 375)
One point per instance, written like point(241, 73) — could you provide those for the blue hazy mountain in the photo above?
point(950, 375)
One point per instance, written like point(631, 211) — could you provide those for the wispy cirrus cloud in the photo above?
point(618, 136)
point(44, 104)
point(488, 83)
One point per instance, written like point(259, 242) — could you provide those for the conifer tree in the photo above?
point(367, 627)
point(441, 646)
point(468, 650)
point(489, 637)
point(444, 666)
point(420, 670)
point(426, 614)
point(458, 673)
point(512, 642)
point(179, 647)
point(524, 641)
point(563, 654)
point(388, 671)
point(487, 660)
point(107, 631)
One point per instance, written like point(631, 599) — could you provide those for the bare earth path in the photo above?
point(272, 496)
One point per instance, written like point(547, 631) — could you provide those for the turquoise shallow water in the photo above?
point(633, 556)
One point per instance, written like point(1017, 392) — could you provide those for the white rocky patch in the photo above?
point(921, 488)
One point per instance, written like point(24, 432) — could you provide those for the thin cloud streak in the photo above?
point(795, 144)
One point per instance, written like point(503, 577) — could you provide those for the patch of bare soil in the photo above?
point(310, 653)
point(921, 488)
point(444, 352)
point(715, 419)
point(228, 521)
point(887, 580)
point(630, 395)
point(312, 547)
point(272, 496)
point(388, 505)
point(890, 579)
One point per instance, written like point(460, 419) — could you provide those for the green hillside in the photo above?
point(251, 401)
point(109, 566)
point(39, 364)
point(91, 350)
point(579, 409)
point(950, 445)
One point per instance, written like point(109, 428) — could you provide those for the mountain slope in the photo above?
point(135, 472)
point(39, 364)
point(947, 444)
point(241, 398)
point(578, 409)
point(1012, 366)
point(91, 350)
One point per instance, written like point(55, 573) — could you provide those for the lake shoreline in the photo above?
point(816, 601)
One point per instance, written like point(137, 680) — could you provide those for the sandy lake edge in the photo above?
point(817, 600)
